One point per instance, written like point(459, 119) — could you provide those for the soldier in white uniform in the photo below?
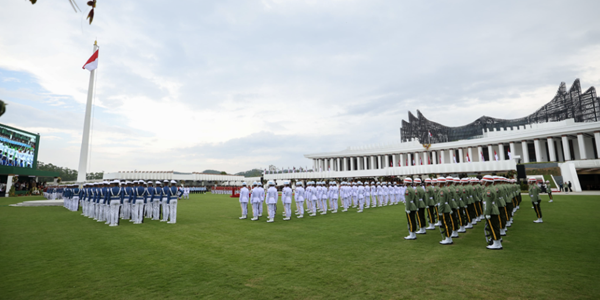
point(244, 197)
point(360, 194)
point(115, 194)
point(313, 198)
point(333, 196)
point(286, 199)
point(256, 200)
point(262, 199)
point(271, 200)
point(299, 197)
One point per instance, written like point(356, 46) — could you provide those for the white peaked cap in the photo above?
point(173, 181)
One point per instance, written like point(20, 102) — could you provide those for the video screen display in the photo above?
point(17, 147)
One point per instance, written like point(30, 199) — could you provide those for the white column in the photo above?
point(581, 142)
point(566, 149)
point(379, 162)
point(443, 155)
point(345, 163)
point(425, 158)
point(597, 137)
point(331, 164)
point(409, 158)
point(491, 153)
point(365, 163)
point(470, 152)
point(525, 151)
point(501, 151)
point(338, 165)
point(9, 180)
point(479, 152)
point(460, 155)
point(387, 161)
point(512, 149)
point(538, 152)
point(351, 163)
point(434, 159)
point(403, 163)
point(551, 149)
point(394, 160)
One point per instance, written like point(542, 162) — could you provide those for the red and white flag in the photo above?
point(430, 134)
point(482, 157)
point(509, 155)
point(468, 158)
point(495, 155)
point(92, 63)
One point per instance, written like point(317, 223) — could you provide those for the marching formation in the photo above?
point(113, 201)
point(453, 205)
point(319, 197)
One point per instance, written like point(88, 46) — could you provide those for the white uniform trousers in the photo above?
point(165, 209)
point(155, 209)
point(287, 208)
point(113, 216)
point(244, 206)
point(271, 210)
point(172, 211)
point(300, 204)
point(324, 204)
point(361, 203)
point(314, 206)
point(137, 212)
point(260, 208)
point(75, 203)
point(380, 200)
point(256, 209)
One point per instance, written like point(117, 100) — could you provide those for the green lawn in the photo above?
point(52, 253)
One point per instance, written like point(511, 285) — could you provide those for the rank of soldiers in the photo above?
point(453, 205)
point(110, 202)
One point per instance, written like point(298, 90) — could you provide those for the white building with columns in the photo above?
point(565, 131)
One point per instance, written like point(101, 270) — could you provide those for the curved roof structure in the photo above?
point(572, 104)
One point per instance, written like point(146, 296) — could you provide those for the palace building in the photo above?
point(564, 133)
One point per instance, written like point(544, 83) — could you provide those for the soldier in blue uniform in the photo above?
point(164, 202)
point(115, 195)
point(148, 199)
point(173, 196)
point(137, 206)
point(158, 193)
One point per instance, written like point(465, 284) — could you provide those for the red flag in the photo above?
point(92, 63)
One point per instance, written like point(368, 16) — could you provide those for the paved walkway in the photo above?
point(40, 203)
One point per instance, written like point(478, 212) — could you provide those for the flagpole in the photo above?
point(83, 156)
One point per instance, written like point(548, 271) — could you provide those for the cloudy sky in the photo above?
point(235, 85)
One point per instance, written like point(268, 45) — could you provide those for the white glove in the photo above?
point(439, 213)
point(408, 211)
point(488, 217)
point(535, 203)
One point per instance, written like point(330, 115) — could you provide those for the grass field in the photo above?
point(52, 253)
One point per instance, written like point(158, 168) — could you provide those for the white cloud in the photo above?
point(190, 86)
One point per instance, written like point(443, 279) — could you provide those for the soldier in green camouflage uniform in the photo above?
point(534, 194)
point(501, 204)
point(411, 209)
point(430, 202)
point(468, 200)
point(462, 218)
point(491, 212)
point(421, 206)
point(451, 190)
point(444, 212)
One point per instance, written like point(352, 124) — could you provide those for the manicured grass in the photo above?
point(52, 253)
